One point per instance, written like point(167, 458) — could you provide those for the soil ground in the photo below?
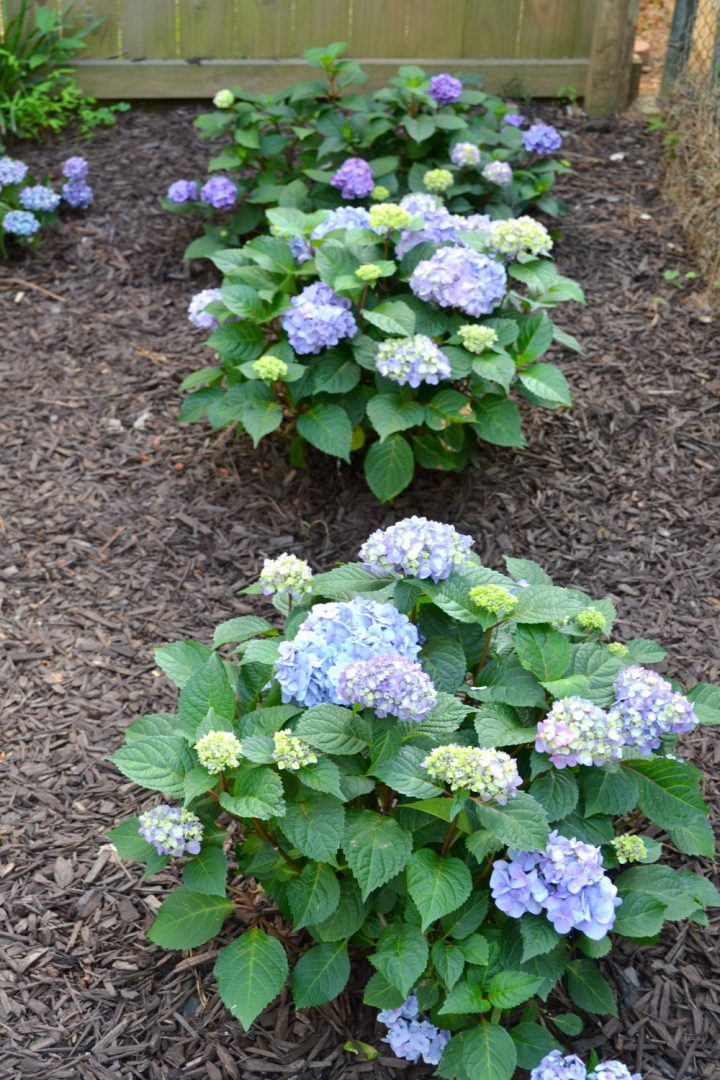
point(122, 531)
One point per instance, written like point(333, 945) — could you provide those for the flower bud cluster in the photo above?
point(270, 368)
point(290, 752)
point(519, 236)
point(629, 848)
point(591, 619)
point(286, 574)
point(476, 339)
point(438, 180)
point(218, 750)
point(386, 216)
point(491, 774)
point(464, 154)
point(495, 599)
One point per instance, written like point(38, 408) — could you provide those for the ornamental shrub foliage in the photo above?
point(339, 143)
point(430, 832)
point(26, 206)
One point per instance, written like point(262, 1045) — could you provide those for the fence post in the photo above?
point(679, 42)
point(607, 88)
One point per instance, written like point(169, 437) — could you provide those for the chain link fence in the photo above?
point(691, 93)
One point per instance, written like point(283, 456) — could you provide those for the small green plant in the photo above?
point(567, 94)
point(678, 279)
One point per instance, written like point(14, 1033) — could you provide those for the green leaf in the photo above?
point(532, 1043)
point(259, 418)
point(243, 301)
point(548, 603)
point(250, 972)
point(485, 1052)
point(345, 582)
point(320, 975)
point(389, 467)
point(156, 724)
point(535, 337)
point(677, 892)
point(128, 842)
point(438, 885)
point(401, 956)
point(419, 127)
point(404, 773)
point(209, 688)
point(389, 413)
point(315, 825)
point(476, 950)
point(314, 895)
point(335, 374)
point(380, 994)
point(521, 824)
point(181, 659)
point(639, 916)
point(588, 989)
point(392, 317)
point(507, 989)
point(235, 631)
point(465, 997)
point(557, 791)
point(347, 918)
point(157, 762)
point(323, 776)
point(444, 661)
point(568, 1023)
point(669, 795)
point(498, 422)
point(331, 729)
point(706, 702)
point(207, 872)
point(505, 680)
point(256, 794)
point(546, 381)
point(643, 651)
point(498, 725)
point(545, 652)
point(187, 919)
point(449, 962)
point(328, 428)
point(376, 848)
point(538, 936)
point(526, 570)
point(607, 791)
point(466, 920)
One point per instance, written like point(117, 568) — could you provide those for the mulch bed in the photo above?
point(122, 530)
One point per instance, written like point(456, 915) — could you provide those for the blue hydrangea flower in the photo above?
point(411, 1038)
point(171, 831)
point(12, 171)
point(439, 225)
point(301, 249)
point(182, 191)
point(464, 154)
point(445, 89)
point(75, 168)
point(390, 684)
point(513, 119)
point(197, 315)
point(498, 172)
point(613, 1070)
point(460, 278)
point(409, 1010)
point(577, 732)
point(39, 198)
point(317, 318)
point(417, 547)
point(412, 360)
point(516, 886)
point(345, 217)
point(557, 1066)
point(77, 194)
point(334, 635)
point(542, 139)
point(354, 179)
point(219, 192)
point(647, 707)
point(20, 223)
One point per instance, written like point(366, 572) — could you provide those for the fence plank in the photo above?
point(679, 41)
point(206, 28)
point(106, 41)
point(316, 22)
point(261, 30)
point(607, 87)
point(491, 29)
point(148, 30)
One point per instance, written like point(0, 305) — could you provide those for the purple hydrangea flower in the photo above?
point(77, 194)
point(517, 887)
point(390, 684)
point(354, 179)
point(12, 171)
point(182, 191)
point(334, 635)
point(576, 732)
point(409, 1010)
point(345, 217)
point(416, 547)
point(39, 197)
point(75, 168)
point(461, 278)
point(412, 360)
point(301, 249)
point(219, 192)
point(557, 1066)
point(498, 172)
point(647, 707)
point(197, 315)
point(317, 318)
point(445, 88)
point(513, 119)
point(439, 225)
point(20, 223)
point(464, 154)
point(613, 1070)
point(171, 831)
point(411, 1038)
point(542, 139)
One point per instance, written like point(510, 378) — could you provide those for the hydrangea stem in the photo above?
point(268, 837)
point(484, 654)
point(448, 838)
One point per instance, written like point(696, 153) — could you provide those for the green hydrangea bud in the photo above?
point(389, 215)
point(379, 193)
point(493, 598)
point(618, 649)
point(438, 180)
point(291, 752)
point(270, 368)
point(218, 750)
point(368, 272)
point(591, 619)
point(224, 99)
point(629, 848)
point(477, 339)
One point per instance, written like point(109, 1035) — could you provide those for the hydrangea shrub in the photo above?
point(340, 144)
point(398, 334)
point(384, 768)
point(27, 206)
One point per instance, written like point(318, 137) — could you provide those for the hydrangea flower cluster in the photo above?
point(498, 172)
point(317, 318)
point(542, 139)
point(39, 197)
point(519, 236)
point(439, 225)
point(476, 339)
point(330, 638)
point(287, 574)
point(290, 752)
point(557, 1066)
point(445, 89)
point(270, 368)
point(618, 649)
point(513, 119)
point(576, 732)
point(182, 191)
point(460, 278)
point(218, 750)
point(345, 217)
point(491, 774)
point(354, 179)
point(224, 99)
point(412, 360)
point(591, 619)
point(197, 315)
point(301, 249)
point(171, 831)
point(409, 1037)
point(219, 192)
point(566, 881)
point(368, 272)
point(77, 194)
point(20, 223)
point(493, 598)
point(612, 1070)
point(647, 708)
point(629, 848)
point(438, 180)
point(464, 154)
point(390, 684)
point(75, 168)
point(12, 171)
point(387, 216)
point(416, 547)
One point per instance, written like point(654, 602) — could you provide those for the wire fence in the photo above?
point(691, 92)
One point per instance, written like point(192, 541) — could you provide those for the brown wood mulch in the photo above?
point(122, 530)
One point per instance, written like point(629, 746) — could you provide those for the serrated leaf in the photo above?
point(485, 1051)
point(157, 762)
point(389, 413)
point(546, 381)
point(328, 428)
point(498, 725)
point(568, 1023)
point(506, 681)
point(705, 700)
point(380, 994)
point(401, 956)
point(389, 467)
point(465, 921)
point(181, 659)
point(521, 824)
point(250, 972)
point(507, 989)
point(465, 997)
point(588, 989)
point(444, 661)
point(256, 794)
point(207, 872)
point(347, 918)
point(187, 919)
point(208, 688)
point(376, 848)
point(538, 936)
point(323, 776)
point(449, 962)
point(608, 791)
point(128, 842)
point(476, 949)
point(498, 422)
point(438, 885)
point(557, 791)
point(314, 895)
point(669, 795)
point(545, 652)
point(639, 916)
point(532, 1042)
point(331, 729)
point(673, 890)
point(404, 773)
point(321, 974)
point(315, 825)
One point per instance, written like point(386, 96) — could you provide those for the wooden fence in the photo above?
point(190, 48)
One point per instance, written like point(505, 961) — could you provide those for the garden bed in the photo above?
point(122, 531)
